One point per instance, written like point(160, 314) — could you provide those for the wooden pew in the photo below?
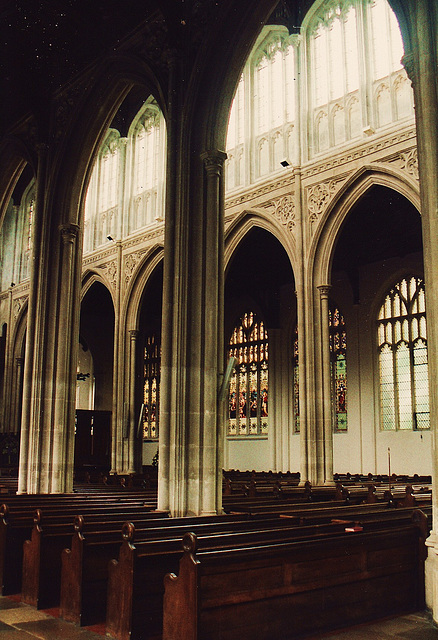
point(16, 526)
point(289, 589)
point(134, 588)
point(41, 563)
point(85, 564)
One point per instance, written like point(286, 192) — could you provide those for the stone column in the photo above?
point(421, 66)
point(31, 406)
point(120, 376)
point(66, 359)
point(327, 448)
point(133, 334)
point(213, 436)
point(14, 426)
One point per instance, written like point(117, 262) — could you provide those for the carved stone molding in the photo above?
point(324, 290)
point(130, 263)
point(111, 271)
point(357, 154)
point(95, 257)
point(17, 306)
point(283, 209)
point(405, 161)
point(320, 195)
point(69, 233)
point(260, 191)
point(213, 161)
point(157, 232)
point(408, 61)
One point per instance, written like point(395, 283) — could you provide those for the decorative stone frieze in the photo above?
point(405, 161)
point(17, 306)
point(156, 232)
point(284, 211)
point(95, 257)
point(253, 194)
point(130, 263)
point(355, 154)
point(320, 195)
point(111, 271)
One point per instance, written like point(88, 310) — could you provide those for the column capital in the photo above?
point(69, 232)
point(408, 61)
point(133, 333)
point(324, 290)
point(19, 361)
point(42, 148)
point(213, 161)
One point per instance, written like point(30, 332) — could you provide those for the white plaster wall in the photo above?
point(248, 455)
point(364, 449)
point(149, 451)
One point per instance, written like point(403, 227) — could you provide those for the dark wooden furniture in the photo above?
point(290, 589)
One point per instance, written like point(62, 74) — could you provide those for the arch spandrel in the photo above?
point(91, 277)
point(144, 271)
point(247, 220)
point(324, 239)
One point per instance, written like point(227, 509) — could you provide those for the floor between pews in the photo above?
point(21, 622)
point(415, 626)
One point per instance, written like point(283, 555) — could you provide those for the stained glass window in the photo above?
point(338, 352)
point(296, 383)
point(248, 395)
point(403, 369)
point(151, 387)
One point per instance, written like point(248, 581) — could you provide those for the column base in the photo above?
point(431, 576)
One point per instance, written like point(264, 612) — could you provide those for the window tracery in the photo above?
point(402, 349)
point(151, 387)
point(338, 358)
point(248, 393)
point(345, 67)
point(127, 170)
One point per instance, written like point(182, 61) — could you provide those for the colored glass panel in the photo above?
point(338, 349)
point(248, 392)
point(151, 388)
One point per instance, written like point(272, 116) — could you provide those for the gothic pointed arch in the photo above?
point(249, 219)
point(324, 239)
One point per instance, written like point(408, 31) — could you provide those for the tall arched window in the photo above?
point(296, 383)
point(151, 387)
point(403, 369)
point(148, 139)
point(126, 188)
point(248, 395)
point(355, 50)
point(338, 356)
point(262, 116)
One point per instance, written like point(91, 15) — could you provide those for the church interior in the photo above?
point(218, 226)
